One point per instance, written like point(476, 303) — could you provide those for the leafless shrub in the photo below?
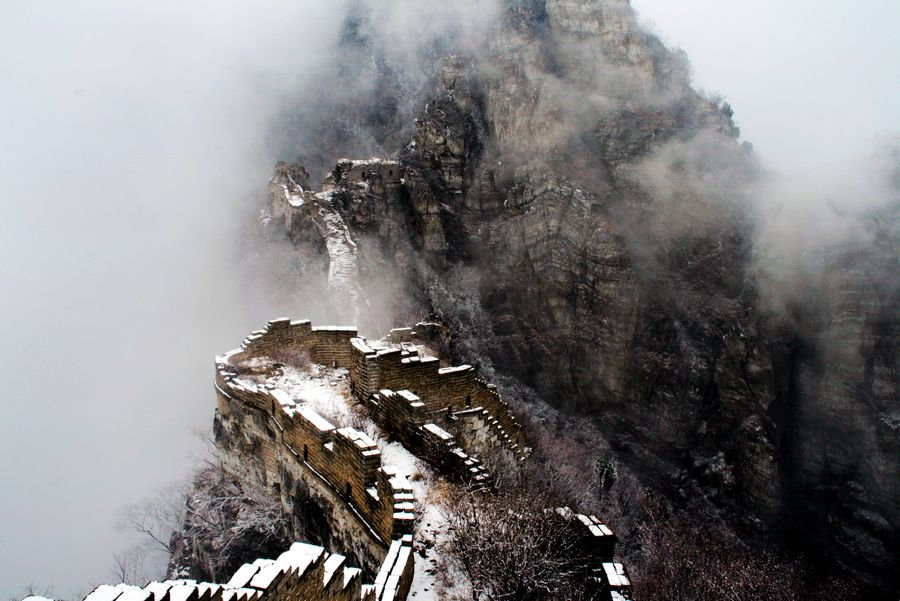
point(257, 366)
point(502, 465)
point(30, 590)
point(511, 546)
point(295, 357)
point(226, 525)
point(207, 528)
point(689, 561)
point(570, 455)
point(157, 518)
point(358, 419)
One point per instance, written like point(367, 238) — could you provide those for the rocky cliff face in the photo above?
point(580, 215)
point(844, 462)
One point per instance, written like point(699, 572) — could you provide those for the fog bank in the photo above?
point(816, 89)
point(135, 141)
point(813, 84)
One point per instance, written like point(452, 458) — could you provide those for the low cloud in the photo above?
point(137, 140)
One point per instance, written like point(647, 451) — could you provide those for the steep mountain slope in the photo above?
point(582, 218)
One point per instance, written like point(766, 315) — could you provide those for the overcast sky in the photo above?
point(813, 83)
point(133, 135)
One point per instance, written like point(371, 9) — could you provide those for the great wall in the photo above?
point(272, 433)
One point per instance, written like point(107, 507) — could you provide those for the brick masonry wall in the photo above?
point(404, 415)
point(270, 442)
point(258, 457)
point(437, 388)
point(328, 345)
point(302, 573)
point(345, 459)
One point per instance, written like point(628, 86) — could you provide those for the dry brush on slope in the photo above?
point(207, 529)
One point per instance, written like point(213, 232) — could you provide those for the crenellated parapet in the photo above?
point(288, 436)
point(304, 572)
point(408, 394)
point(597, 543)
point(327, 345)
point(344, 459)
point(404, 415)
point(374, 172)
point(273, 436)
point(441, 390)
point(447, 395)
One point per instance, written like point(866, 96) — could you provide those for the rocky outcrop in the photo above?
point(845, 468)
point(580, 215)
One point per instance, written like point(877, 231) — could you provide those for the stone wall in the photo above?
point(304, 572)
point(597, 543)
point(327, 345)
point(404, 415)
point(272, 442)
point(477, 428)
point(285, 435)
point(401, 413)
point(378, 174)
point(440, 389)
point(348, 461)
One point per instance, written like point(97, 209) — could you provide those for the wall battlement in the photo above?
point(399, 366)
point(285, 440)
point(347, 460)
point(327, 345)
point(371, 171)
point(442, 390)
point(302, 573)
point(404, 392)
point(404, 415)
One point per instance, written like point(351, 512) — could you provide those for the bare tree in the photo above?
point(130, 566)
point(205, 527)
point(225, 525)
point(158, 518)
point(31, 590)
